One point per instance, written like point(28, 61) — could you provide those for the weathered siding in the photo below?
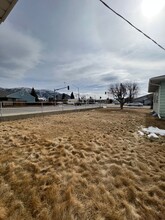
point(156, 101)
point(162, 100)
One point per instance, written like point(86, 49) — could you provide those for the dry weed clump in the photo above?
point(84, 165)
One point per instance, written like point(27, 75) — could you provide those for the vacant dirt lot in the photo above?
point(85, 165)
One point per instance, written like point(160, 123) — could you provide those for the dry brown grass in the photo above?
point(89, 165)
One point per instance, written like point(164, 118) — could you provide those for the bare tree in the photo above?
point(132, 91)
point(119, 92)
point(124, 92)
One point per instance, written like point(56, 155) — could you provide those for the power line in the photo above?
point(132, 25)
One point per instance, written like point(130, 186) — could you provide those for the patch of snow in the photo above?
point(141, 133)
point(153, 135)
point(154, 130)
point(154, 114)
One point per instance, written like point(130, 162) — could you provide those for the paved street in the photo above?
point(21, 111)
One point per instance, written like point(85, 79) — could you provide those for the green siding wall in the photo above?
point(156, 101)
point(162, 100)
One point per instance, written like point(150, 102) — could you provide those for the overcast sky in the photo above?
point(53, 43)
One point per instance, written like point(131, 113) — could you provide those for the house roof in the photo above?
point(5, 8)
point(19, 93)
point(155, 82)
point(144, 97)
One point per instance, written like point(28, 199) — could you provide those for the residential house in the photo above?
point(6, 100)
point(23, 96)
point(3, 96)
point(157, 87)
point(19, 96)
point(145, 100)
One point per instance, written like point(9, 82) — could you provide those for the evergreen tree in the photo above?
point(72, 96)
point(33, 93)
point(63, 96)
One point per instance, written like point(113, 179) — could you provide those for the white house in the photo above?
point(157, 87)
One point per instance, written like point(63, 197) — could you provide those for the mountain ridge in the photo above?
point(42, 93)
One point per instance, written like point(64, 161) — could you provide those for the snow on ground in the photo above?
point(141, 133)
point(152, 132)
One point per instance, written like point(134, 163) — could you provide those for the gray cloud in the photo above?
point(103, 68)
point(110, 77)
point(19, 52)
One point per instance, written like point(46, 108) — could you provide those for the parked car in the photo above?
point(139, 104)
point(73, 102)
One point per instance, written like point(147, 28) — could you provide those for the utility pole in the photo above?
point(57, 90)
point(78, 91)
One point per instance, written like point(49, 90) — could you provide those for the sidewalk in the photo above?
point(42, 112)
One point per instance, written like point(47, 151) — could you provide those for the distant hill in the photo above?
point(40, 92)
